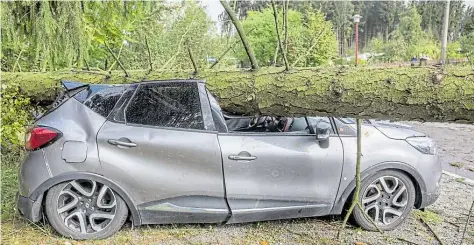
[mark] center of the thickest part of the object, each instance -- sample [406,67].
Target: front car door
[276,175]
[161,147]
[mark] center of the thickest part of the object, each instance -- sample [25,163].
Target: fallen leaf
[360,243]
[264,242]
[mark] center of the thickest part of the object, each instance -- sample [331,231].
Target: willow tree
[45,34]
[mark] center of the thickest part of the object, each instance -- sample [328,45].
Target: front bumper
[429,198]
[30,209]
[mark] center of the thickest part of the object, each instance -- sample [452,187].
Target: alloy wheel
[86,206]
[385,199]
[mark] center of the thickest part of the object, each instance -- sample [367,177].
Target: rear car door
[161,146]
[275,175]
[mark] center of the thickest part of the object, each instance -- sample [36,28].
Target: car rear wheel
[85,209]
[387,197]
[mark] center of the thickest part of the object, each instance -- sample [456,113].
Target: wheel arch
[416,178]
[38,194]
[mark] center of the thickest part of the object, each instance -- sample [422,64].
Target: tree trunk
[401,93]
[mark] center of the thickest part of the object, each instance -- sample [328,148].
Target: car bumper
[431,197]
[30,209]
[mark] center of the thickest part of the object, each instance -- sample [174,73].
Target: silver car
[163,152]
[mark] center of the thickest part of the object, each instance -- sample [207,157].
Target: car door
[161,147]
[275,175]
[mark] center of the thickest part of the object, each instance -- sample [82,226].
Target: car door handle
[122,142]
[242,158]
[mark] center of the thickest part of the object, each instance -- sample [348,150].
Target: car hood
[397,132]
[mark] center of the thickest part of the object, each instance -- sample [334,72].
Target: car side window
[173,105]
[100,98]
[266,124]
[315,120]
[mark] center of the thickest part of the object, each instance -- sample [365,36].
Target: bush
[15,117]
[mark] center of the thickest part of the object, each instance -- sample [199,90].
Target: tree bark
[243,37]
[399,93]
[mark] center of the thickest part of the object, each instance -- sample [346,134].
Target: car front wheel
[85,209]
[387,197]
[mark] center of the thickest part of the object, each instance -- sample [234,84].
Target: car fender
[419,183]
[37,195]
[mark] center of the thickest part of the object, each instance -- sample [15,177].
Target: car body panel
[165,166]
[380,152]
[77,123]
[292,175]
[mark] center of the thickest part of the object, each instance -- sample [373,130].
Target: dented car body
[168,151]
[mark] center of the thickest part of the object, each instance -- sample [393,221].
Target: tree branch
[17,60]
[285,24]
[196,71]
[355,199]
[243,37]
[117,60]
[227,50]
[307,51]
[149,54]
[432,231]
[275,14]
[87,64]
[467,223]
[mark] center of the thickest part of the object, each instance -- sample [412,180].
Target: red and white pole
[357,43]
[356,21]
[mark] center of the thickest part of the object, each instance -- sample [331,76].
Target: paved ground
[455,145]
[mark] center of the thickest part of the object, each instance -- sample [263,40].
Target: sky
[214,8]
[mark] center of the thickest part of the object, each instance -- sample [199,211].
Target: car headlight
[425,145]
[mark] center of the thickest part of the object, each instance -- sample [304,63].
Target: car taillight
[40,136]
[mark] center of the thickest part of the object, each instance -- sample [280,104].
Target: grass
[428,216]
[457,164]
[460,180]
[9,173]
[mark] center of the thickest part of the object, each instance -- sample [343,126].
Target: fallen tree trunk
[424,93]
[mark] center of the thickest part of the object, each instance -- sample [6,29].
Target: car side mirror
[321,129]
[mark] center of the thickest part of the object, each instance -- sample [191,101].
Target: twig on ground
[407,241]
[432,231]
[369,218]
[453,224]
[301,234]
[467,222]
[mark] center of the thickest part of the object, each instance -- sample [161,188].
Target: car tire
[394,200]
[98,212]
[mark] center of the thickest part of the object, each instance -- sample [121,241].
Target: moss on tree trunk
[425,94]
